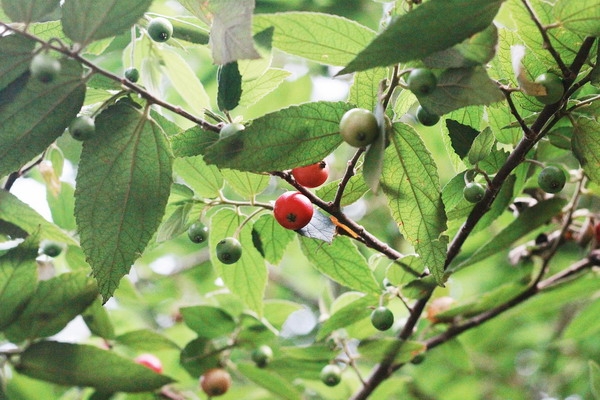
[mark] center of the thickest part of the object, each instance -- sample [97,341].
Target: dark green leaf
[16,53]
[146,340]
[270,380]
[438,25]
[274,238]
[377,349]
[461,136]
[208,321]
[230,86]
[85,365]
[175,224]
[586,146]
[98,321]
[28,10]
[482,146]
[199,355]
[123,185]
[347,315]
[454,200]
[594,378]
[37,114]
[193,142]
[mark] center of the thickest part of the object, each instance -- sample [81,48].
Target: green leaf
[411,184]
[529,220]
[85,21]
[377,349]
[292,137]
[585,324]
[255,89]
[454,200]
[208,321]
[374,156]
[18,279]
[230,86]
[175,224]
[500,205]
[273,238]
[482,146]
[594,379]
[438,25]
[16,53]
[342,262]
[53,305]
[365,87]
[581,16]
[37,114]
[146,340]
[270,380]
[461,136]
[98,321]
[586,147]
[461,87]
[193,142]
[247,278]
[123,185]
[205,180]
[61,202]
[278,311]
[198,356]
[325,38]
[254,331]
[347,315]
[355,189]
[85,365]
[246,184]
[28,10]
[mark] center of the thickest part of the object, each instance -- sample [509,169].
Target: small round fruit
[82,128]
[438,306]
[552,179]
[427,118]
[358,127]
[293,210]
[215,382]
[262,356]
[382,318]
[554,88]
[150,361]
[44,67]
[331,375]
[421,81]
[230,129]
[198,232]
[132,74]
[313,175]
[473,192]
[51,249]
[160,29]
[229,250]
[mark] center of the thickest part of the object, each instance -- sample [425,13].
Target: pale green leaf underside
[586,147]
[581,16]
[327,39]
[231,31]
[28,10]
[274,238]
[123,185]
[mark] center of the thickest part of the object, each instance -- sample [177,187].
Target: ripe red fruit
[293,210]
[215,382]
[150,361]
[313,175]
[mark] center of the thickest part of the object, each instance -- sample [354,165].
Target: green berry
[262,356]
[229,250]
[82,128]
[160,29]
[427,118]
[331,375]
[552,179]
[421,81]
[553,85]
[132,74]
[382,318]
[359,127]
[473,192]
[52,249]
[44,67]
[198,232]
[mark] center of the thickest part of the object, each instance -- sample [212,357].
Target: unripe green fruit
[44,67]
[358,127]
[262,356]
[473,192]
[427,118]
[160,29]
[198,232]
[554,88]
[331,375]
[82,128]
[421,81]
[51,249]
[229,250]
[552,179]
[230,129]
[382,318]
[132,74]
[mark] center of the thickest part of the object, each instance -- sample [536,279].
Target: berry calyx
[421,81]
[473,192]
[44,67]
[262,356]
[132,74]
[215,382]
[312,175]
[51,249]
[382,318]
[426,118]
[331,375]
[359,127]
[198,232]
[230,129]
[552,179]
[82,128]
[150,361]
[229,250]
[160,29]
[293,210]
[553,85]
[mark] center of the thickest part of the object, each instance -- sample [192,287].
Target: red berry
[313,175]
[150,361]
[293,210]
[215,382]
